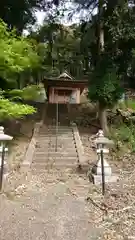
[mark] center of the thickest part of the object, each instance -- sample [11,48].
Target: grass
[124,137]
[122,133]
[129,104]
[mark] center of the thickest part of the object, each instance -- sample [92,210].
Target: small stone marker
[102,143]
[4,138]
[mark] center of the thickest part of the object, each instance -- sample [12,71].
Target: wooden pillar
[53,96]
[78,95]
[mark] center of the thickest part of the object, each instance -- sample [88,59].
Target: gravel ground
[17,150]
[48,210]
[47,206]
[19,144]
[65,205]
[116,210]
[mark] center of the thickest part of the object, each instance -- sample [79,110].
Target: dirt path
[51,206]
[63,205]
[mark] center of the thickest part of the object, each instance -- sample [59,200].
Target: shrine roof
[65,80]
[68,83]
[64,77]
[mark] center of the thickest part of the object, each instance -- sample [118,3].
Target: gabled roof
[64,79]
[65,75]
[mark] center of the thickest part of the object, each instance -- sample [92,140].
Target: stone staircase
[48,157]
[63,115]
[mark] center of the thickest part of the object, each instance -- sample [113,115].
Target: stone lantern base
[97,179]
[97,173]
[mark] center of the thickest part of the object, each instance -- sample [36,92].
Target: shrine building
[64,89]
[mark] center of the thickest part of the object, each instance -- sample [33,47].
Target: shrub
[10,110]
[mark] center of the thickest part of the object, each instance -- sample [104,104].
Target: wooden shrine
[64,89]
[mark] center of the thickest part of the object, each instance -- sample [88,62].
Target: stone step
[52,159]
[61,139]
[55,156]
[60,136]
[54,129]
[52,165]
[50,126]
[42,168]
[58,160]
[53,137]
[73,152]
[67,129]
[60,144]
[53,168]
[69,140]
[43,138]
[43,173]
[52,145]
[47,164]
[54,132]
[44,150]
[55,159]
[44,159]
[62,152]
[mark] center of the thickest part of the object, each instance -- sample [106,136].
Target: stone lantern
[102,143]
[3,149]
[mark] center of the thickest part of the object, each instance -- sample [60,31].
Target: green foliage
[9,110]
[16,53]
[121,22]
[105,85]
[51,72]
[126,105]
[20,14]
[131,104]
[30,92]
[124,137]
[60,49]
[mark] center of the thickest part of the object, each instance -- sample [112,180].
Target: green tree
[16,55]
[20,14]
[114,42]
[62,49]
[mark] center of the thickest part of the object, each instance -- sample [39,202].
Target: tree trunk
[102,110]
[103,119]
[100,28]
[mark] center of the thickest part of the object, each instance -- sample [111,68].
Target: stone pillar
[5,161]
[107,168]
[3,139]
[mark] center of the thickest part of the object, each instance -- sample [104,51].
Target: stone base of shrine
[97,179]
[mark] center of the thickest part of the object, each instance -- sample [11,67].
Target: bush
[11,110]
[131,104]
[30,92]
[124,136]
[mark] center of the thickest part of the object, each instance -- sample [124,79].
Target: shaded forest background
[100,48]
